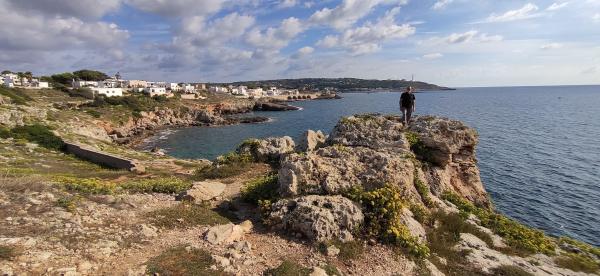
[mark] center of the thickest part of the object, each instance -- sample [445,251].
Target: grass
[182,261]
[509,270]
[36,133]
[185,215]
[418,147]
[592,250]
[443,239]
[288,268]
[88,186]
[16,96]
[95,186]
[523,240]
[7,253]
[69,202]
[421,188]
[349,250]
[228,165]
[578,262]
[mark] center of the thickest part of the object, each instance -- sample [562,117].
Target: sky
[454,43]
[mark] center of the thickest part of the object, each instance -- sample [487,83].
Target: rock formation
[267,150]
[311,140]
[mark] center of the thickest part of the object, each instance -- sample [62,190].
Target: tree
[63,78]
[90,75]
[6,72]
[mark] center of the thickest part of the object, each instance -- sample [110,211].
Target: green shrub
[578,262]
[69,202]
[581,245]
[420,213]
[518,236]
[418,147]
[228,165]
[4,133]
[182,261]
[260,189]
[39,134]
[383,208]
[421,188]
[86,185]
[288,268]
[509,270]
[166,185]
[185,215]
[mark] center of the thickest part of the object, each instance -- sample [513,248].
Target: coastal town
[117,86]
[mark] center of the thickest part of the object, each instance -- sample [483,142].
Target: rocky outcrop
[311,140]
[267,150]
[318,218]
[202,191]
[261,106]
[371,131]
[449,146]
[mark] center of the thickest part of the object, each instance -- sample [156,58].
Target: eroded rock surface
[268,150]
[318,218]
[311,140]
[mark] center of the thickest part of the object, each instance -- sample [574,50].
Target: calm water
[539,151]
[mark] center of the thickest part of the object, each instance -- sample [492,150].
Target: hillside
[341,84]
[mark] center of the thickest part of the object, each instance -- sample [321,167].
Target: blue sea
[539,150]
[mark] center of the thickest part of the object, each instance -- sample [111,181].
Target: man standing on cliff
[407,105]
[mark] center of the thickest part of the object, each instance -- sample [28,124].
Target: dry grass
[186,215]
[182,261]
[11,183]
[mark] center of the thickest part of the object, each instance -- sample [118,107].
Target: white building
[136,83]
[218,89]
[108,92]
[8,82]
[257,92]
[174,87]
[155,91]
[157,84]
[188,88]
[240,91]
[81,84]
[40,84]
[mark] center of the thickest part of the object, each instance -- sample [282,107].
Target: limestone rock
[311,140]
[415,228]
[332,251]
[148,231]
[202,191]
[268,150]
[318,218]
[371,131]
[335,169]
[317,271]
[243,246]
[224,234]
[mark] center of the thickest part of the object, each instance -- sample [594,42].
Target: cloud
[287,4]
[433,56]
[596,17]
[276,38]
[557,6]
[527,11]
[441,4]
[195,31]
[368,38]
[348,12]
[551,46]
[175,8]
[466,37]
[304,51]
[68,8]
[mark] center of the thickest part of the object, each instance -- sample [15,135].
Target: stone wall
[102,158]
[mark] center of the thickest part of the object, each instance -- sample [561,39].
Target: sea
[539,147]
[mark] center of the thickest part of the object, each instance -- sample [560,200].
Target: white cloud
[368,38]
[527,11]
[551,46]
[557,6]
[276,38]
[433,56]
[68,8]
[459,38]
[303,52]
[596,17]
[197,32]
[490,38]
[348,12]
[174,8]
[287,4]
[441,4]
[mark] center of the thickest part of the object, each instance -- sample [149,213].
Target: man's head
[409,89]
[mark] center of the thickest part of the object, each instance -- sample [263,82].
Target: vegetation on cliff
[341,84]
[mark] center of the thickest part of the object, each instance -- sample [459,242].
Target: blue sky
[447,42]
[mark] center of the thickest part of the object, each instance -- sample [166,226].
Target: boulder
[202,191]
[274,107]
[372,131]
[414,227]
[444,140]
[317,271]
[267,150]
[318,218]
[224,234]
[335,169]
[311,140]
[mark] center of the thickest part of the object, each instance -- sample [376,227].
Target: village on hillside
[115,86]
